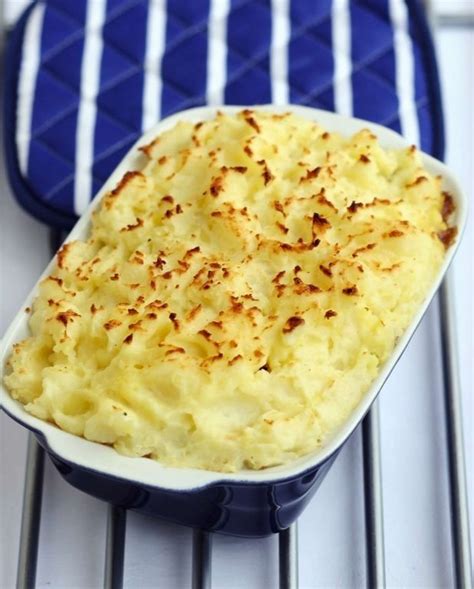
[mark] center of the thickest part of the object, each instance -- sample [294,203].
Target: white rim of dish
[105,460]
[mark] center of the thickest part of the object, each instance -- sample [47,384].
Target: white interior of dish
[105,459]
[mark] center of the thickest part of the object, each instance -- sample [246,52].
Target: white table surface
[331,531]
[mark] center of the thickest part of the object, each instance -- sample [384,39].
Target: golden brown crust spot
[325,270]
[310,174]
[448,207]
[191,252]
[350,290]
[157,304]
[62,254]
[352,208]
[174,321]
[278,207]
[378,201]
[239,169]
[112,324]
[391,268]
[276,279]
[292,323]
[127,177]
[205,334]
[320,222]
[324,201]
[369,246]
[417,181]
[58,281]
[159,262]
[216,186]
[394,233]
[282,228]
[132,226]
[301,288]
[66,317]
[194,312]
[448,236]
[266,174]
[175,350]
[250,120]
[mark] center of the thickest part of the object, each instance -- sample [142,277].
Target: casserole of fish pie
[236,297]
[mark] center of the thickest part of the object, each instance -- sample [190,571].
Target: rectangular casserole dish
[246,503]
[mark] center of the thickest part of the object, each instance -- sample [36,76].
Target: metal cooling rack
[288,543]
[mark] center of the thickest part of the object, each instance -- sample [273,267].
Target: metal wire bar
[373,498]
[202,559]
[439,17]
[3,31]
[454,433]
[33,491]
[459,511]
[115,547]
[455,20]
[116,523]
[288,557]
[31,516]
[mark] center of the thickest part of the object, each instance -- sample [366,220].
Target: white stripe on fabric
[30,62]
[155,46]
[90,80]
[341,43]
[217,52]
[404,71]
[279,51]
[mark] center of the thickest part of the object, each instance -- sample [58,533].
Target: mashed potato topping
[237,296]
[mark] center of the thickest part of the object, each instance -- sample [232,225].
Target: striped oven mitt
[85,79]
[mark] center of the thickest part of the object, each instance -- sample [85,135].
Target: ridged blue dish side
[249,510]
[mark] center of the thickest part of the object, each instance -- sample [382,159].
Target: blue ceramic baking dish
[246,503]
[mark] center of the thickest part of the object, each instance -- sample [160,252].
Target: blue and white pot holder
[84,79]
